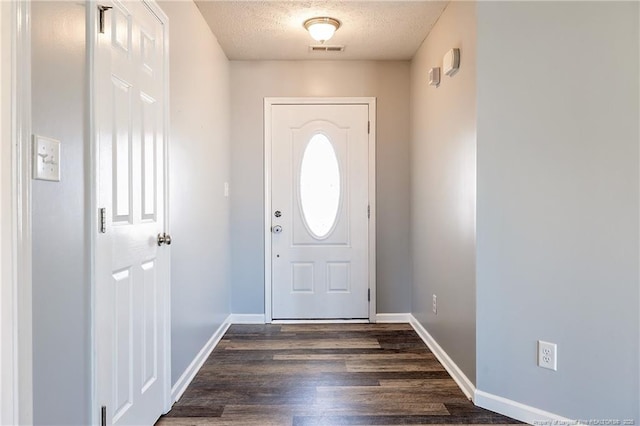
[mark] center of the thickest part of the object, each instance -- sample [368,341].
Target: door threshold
[320,321]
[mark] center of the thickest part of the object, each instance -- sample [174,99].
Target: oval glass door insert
[319,186]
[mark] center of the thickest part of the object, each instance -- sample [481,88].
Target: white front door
[132,269]
[319,217]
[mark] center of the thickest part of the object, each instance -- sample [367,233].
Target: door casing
[268,103]
[16,360]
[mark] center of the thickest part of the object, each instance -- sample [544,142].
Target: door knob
[276,229]
[164,238]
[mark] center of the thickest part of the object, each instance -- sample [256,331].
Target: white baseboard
[246,318]
[185,379]
[390,318]
[519,411]
[322,321]
[463,381]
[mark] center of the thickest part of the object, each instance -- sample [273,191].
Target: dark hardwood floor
[325,374]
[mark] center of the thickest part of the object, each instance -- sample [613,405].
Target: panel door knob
[164,238]
[276,229]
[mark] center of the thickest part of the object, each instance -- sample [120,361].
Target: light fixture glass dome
[322,29]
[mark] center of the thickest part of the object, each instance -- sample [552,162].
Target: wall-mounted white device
[434,76]
[46,158]
[451,62]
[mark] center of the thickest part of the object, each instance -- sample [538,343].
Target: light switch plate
[46,158]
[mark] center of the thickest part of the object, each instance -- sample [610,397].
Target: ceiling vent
[325,48]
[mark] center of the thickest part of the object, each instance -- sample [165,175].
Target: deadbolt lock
[164,238]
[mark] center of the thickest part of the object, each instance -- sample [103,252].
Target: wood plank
[378,366]
[341,328]
[237,345]
[241,420]
[273,368]
[356,357]
[384,396]
[322,409]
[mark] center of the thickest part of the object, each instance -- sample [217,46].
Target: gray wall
[443,172]
[199,216]
[558,204]
[61,319]
[251,82]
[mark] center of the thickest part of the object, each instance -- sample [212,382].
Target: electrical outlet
[547,355]
[435,304]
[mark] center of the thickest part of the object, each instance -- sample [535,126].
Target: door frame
[269,102]
[16,391]
[92,213]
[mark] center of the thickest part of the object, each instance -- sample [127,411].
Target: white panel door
[132,270]
[319,198]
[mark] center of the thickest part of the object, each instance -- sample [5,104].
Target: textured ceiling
[261,30]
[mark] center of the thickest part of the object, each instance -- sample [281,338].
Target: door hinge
[102,219]
[103,416]
[368,127]
[369,295]
[369,212]
[101,11]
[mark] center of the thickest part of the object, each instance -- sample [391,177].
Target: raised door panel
[123,339]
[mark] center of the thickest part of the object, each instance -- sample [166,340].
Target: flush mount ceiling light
[322,29]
